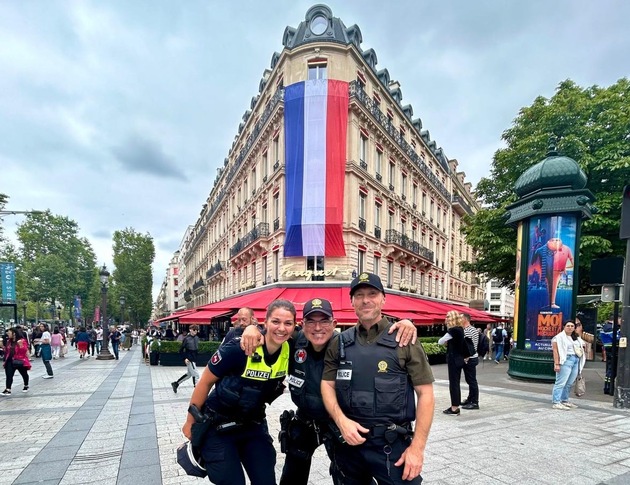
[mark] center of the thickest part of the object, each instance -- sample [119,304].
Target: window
[265,219]
[245,190]
[414,194]
[362,197]
[360,261]
[390,221]
[275,265]
[363,148]
[432,211]
[495,296]
[317,70]
[264,269]
[403,189]
[276,150]
[402,273]
[315,263]
[422,283]
[495,308]
[265,165]
[276,206]
[414,233]
[424,202]
[413,277]
[254,181]
[254,272]
[392,171]
[379,162]
[376,263]
[390,273]
[377,215]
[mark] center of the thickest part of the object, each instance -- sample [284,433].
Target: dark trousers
[455,364]
[302,442]
[9,370]
[250,446]
[359,465]
[49,370]
[470,374]
[115,347]
[92,347]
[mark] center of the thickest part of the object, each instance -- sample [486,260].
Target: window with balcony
[403,188]
[377,220]
[378,165]
[391,175]
[424,203]
[254,181]
[276,152]
[363,151]
[390,221]
[265,166]
[414,195]
[360,261]
[317,70]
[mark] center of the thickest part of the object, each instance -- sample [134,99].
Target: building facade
[168,300]
[500,300]
[403,202]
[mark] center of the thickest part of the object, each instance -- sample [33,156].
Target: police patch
[300,356]
[295,381]
[344,374]
[216,358]
[382,366]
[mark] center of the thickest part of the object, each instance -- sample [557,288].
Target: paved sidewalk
[118,423]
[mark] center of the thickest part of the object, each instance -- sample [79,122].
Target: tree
[56,263]
[593,127]
[133,277]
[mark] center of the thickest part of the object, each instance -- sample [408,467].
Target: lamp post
[104,354]
[122,300]
[24,309]
[59,312]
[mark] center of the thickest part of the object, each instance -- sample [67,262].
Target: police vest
[371,386]
[305,382]
[244,396]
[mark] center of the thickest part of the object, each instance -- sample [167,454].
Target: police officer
[368,389]
[303,431]
[241,386]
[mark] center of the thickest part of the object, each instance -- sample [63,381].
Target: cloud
[139,154]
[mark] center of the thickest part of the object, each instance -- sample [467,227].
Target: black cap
[317,305]
[366,279]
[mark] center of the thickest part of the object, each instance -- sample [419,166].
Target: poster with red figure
[550,278]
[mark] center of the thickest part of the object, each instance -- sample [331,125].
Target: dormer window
[318,25]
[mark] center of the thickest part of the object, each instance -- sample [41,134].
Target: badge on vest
[300,356]
[295,381]
[344,374]
[382,366]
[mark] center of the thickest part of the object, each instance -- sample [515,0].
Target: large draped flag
[315,126]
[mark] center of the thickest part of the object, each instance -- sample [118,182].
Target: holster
[283,436]
[203,422]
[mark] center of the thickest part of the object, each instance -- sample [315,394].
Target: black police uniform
[374,390]
[239,433]
[311,426]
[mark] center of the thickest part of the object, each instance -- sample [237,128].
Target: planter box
[154,357]
[172,360]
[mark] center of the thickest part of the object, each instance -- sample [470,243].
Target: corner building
[330,175]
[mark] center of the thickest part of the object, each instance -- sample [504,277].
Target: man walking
[368,389]
[189,349]
[498,337]
[470,365]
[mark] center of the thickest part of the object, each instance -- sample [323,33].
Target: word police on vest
[344,374]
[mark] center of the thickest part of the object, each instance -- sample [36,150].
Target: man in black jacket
[189,350]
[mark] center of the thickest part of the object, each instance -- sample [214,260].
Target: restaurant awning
[173,316]
[202,316]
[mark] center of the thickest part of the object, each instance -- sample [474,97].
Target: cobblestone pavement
[118,422]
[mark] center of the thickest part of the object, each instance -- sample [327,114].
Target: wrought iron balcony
[394,237]
[461,206]
[276,224]
[357,91]
[362,224]
[379,177]
[215,269]
[261,230]
[363,165]
[377,232]
[276,165]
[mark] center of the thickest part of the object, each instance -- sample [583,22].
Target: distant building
[500,300]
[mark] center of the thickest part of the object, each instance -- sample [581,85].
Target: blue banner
[77,307]
[7,281]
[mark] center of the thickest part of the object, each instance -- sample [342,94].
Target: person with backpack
[471,336]
[483,348]
[189,349]
[498,337]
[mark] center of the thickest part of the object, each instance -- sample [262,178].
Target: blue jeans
[115,346]
[498,348]
[565,379]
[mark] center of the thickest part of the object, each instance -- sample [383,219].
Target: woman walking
[15,358]
[241,387]
[56,341]
[83,342]
[568,360]
[45,350]
[454,340]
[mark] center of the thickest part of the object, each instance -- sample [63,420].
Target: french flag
[315,126]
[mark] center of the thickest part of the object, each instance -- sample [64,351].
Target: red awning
[202,316]
[174,316]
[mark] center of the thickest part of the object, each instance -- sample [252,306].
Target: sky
[117,114]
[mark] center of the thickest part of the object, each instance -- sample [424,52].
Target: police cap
[366,279]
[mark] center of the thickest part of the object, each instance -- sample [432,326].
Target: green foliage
[433,348]
[592,126]
[133,256]
[205,347]
[428,340]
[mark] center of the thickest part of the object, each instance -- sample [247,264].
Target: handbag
[580,385]
[18,363]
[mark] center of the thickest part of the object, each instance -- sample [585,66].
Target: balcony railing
[216,268]
[357,91]
[379,177]
[377,232]
[363,165]
[394,237]
[362,224]
[276,224]
[261,230]
[459,200]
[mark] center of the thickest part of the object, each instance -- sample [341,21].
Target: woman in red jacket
[15,358]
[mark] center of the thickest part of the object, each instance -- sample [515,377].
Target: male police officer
[302,432]
[368,389]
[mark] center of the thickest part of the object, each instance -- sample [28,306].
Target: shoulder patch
[300,356]
[216,358]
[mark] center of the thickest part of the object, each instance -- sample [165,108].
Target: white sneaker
[47,377]
[560,406]
[569,405]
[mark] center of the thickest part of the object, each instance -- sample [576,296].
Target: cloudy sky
[118,113]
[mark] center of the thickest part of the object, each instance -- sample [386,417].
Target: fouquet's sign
[309,273]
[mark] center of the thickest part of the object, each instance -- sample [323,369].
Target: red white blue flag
[315,126]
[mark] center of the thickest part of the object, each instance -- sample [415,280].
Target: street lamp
[104,354]
[24,308]
[122,300]
[59,312]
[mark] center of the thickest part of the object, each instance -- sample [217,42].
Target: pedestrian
[470,365]
[15,358]
[37,338]
[568,361]
[454,341]
[233,391]
[189,350]
[507,343]
[56,341]
[488,333]
[99,339]
[606,336]
[483,346]
[303,431]
[92,344]
[83,342]
[126,344]
[45,350]
[114,338]
[244,318]
[134,337]
[498,338]
[368,387]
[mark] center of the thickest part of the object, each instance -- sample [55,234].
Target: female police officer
[236,405]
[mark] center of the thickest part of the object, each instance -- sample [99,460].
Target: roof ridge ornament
[552,150]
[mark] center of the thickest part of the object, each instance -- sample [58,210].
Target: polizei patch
[344,374]
[257,374]
[295,381]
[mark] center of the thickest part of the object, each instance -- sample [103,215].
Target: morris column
[552,203]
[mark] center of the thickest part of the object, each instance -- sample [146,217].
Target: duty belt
[391,432]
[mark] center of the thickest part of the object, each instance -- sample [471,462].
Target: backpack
[468,348]
[497,336]
[484,345]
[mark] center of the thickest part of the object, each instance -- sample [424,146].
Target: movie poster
[517,280]
[550,273]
